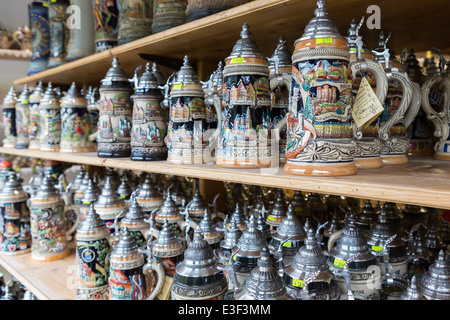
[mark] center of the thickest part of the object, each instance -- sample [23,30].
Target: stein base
[36,148]
[140,157]
[368,163]
[40,257]
[51,149]
[394,159]
[76,150]
[244,164]
[321,170]
[9,145]
[185,160]
[21,146]
[15,253]
[116,154]
[440,156]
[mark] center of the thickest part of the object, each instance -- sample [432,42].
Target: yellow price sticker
[271,218]
[377,248]
[287,244]
[298,283]
[234,257]
[324,40]
[177,86]
[86,202]
[339,262]
[237,60]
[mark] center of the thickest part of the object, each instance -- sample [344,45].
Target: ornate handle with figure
[155,265]
[416,99]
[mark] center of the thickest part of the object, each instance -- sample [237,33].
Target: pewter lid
[147,190]
[12,186]
[419,247]
[11,95]
[147,81]
[290,228]
[126,246]
[368,215]
[412,291]
[433,241]
[47,187]
[24,96]
[160,78]
[114,175]
[281,56]
[197,203]
[37,93]
[169,209]
[321,26]
[435,283]
[109,195]
[299,202]
[92,222]
[115,75]
[252,240]
[232,235]
[167,243]
[263,226]
[381,47]
[84,184]
[134,213]
[413,68]
[209,230]
[50,94]
[279,207]
[79,178]
[432,68]
[124,188]
[90,193]
[238,216]
[245,46]
[334,225]
[264,282]
[73,94]
[186,74]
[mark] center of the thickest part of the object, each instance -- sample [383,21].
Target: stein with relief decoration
[50,113]
[320,133]
[35,117]
[23,118]
[9,118]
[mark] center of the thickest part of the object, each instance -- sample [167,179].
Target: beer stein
[264,282]
[308,275]
[300,206]
[148,197]
[106,21]
[9,118]
[59,32]
[76,123]
[168,14]
[419,256]
[15,218]
[115,115]
[82,39]
[187,117]
[197,206]
[435,283]
[34,130]
[413,291]
[79,192]
[231,237]
[135,20]
[197,276]
[319,122]
[435,95]
[197,9]
[50,113]
[434,242]
[124,189]
[149,120]
[92,257]
[278,211]
[401,106]
[134,221]
[280,67]
[40,28]
[210,232]
[355,268]
[239,217]
[50,235]
[130,277]
[366,219]
[23,118]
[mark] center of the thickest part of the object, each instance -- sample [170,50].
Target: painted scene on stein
[115,123]
[149,128]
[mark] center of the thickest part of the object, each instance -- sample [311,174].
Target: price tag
[271,218]
[287,244]
[298,283]
[123,197]
[24,102]
[367,106]
[377,248]
[339,262]
[164,294]
[324,40]
[177,86]
[234,257]
[237,60]
[86,202]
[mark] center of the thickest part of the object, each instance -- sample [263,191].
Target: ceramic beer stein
[280,67]
[197,276]
[106,24]
[168,14]
[50,235]
[9,118]
[308,275]
[89,197]
[81,37]
[264,282]
[50,113]
[368,142]
[92,258]
[245,128]
[400,106]
[15,218]
[435,97]
[320,126]
[130,277]
[135,20]
[23,118]
[116,113]
[435,283]
[40,41]
[59,32]
[187,117]
[136,224]
[149,127]
[35,117]
[148,196]
[76,123]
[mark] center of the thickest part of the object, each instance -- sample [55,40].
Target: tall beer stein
[106,21]
[9,118]
[135,20]
[35,117]
[319,122]
[435,101]
[40,36]
[50,235]
[23,118]
[59,32]
[115,114]
[50,112]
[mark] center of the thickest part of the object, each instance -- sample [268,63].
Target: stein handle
[334,236]
[183,224]
[276,81]
[414,108]
[398,114]
[93,136]
[157,266]
[381,80]
[441,129]
[76,209]
[213,140]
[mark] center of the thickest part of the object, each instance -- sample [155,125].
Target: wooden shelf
[46,280]
[414,24]
[423,181]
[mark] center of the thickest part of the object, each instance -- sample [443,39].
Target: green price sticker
[86,202]
[123,197]
[234,257]
[324,40]
[237,60]
[287,244]
[377,248]
[177,86]
[339,262]
[298,283]
[271,218]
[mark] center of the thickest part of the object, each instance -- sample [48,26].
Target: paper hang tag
[164,294]
[367,107]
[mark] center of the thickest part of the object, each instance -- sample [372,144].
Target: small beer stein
[23,118]
[34,130]
[50,112]
[9,118]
